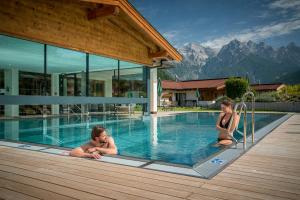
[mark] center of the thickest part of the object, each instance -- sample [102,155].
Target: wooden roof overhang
[112,28]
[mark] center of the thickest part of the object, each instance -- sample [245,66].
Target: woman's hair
[227,103]
[97,131]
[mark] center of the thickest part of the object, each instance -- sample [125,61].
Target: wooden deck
[270,170]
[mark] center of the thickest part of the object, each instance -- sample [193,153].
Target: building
[77,52]
[272,87]
[184,93]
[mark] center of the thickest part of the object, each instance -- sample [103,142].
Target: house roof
[143,24]
[194,84]
[273,86]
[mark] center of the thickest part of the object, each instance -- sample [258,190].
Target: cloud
[256,33]
[171,35]
[287,8]
[285,4]
[290,8]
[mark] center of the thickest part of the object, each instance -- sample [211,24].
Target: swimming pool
[184,139]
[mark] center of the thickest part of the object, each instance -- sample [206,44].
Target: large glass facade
[132,81]
[31,68]
[67,69]
[2,90]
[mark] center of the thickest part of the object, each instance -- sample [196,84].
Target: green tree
[236,87]
[163,74]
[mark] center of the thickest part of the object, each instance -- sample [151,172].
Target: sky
[214,23]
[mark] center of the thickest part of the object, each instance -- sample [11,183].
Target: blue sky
[216,22]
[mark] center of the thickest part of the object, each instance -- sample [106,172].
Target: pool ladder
[241,107]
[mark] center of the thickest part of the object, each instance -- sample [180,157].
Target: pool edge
[207,169]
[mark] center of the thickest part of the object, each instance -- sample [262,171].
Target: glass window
[32,83]
[133,82]
[102,73]
[2,90]
[22,63]
[67,71]
[21,56]
[1,82]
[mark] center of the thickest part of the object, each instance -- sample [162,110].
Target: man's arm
[112,149]
[78,152]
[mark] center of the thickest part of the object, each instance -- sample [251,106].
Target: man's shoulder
[110,139]
[88,145]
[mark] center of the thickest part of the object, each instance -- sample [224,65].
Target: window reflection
[25,70]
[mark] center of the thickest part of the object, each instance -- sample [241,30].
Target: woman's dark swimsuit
[225,125]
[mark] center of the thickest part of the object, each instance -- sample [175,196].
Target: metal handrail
[253,111]
[242,107]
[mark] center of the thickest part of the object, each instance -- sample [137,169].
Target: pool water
[180,138]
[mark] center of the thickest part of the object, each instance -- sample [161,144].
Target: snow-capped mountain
[194,57]
[257,61]
[196,54]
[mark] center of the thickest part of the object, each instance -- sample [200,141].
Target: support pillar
[55,92]
[153,91]
[83,90]
[11,84]
[108,88]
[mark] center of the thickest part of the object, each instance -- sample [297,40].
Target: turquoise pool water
[180,139]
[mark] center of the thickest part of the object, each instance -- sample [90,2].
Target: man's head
[99,134]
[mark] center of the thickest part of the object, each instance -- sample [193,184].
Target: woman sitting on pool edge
[100,144]
[223,123]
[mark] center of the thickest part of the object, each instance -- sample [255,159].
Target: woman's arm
[218,127]
[235,122]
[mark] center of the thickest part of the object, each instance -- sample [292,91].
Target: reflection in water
[11,130]
[181,138]
[153,130]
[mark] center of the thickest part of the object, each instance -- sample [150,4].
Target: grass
[201,109]
[190,109]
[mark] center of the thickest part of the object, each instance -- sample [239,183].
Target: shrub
[267,97]
[290,93]
[236,87]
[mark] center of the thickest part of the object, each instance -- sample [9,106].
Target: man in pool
[99,145]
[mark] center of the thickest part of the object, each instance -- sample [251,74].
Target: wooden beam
[159,54]
[103,11]
[127,28]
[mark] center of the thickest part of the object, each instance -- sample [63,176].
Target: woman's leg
[224,139]
[225,142]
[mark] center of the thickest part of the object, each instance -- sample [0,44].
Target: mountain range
[258,62]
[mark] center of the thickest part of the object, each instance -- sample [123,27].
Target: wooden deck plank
[116,167]
[12,195]
[63,190]
[31,191]
[290,186]
[91,164]
[269,170]
[253,188]
[93,181]
[217,194]
[256,183]
[264,175]
[238,191]
[76,185]
[104,175]
[107,181]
